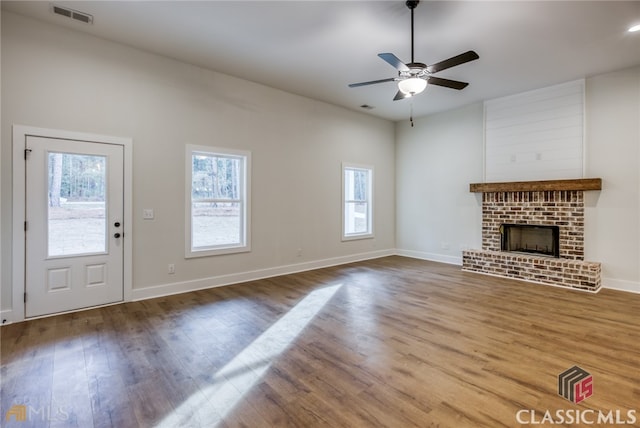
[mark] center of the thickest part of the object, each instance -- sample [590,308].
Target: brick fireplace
[543,203]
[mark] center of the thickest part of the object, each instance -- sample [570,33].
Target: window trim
[370,230]
[245,201]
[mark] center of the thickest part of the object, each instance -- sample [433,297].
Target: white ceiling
[316,48]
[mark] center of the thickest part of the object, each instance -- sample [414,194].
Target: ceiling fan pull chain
[411,113]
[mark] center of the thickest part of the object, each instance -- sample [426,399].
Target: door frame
[20,134]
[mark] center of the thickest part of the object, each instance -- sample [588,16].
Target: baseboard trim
[621,285]
[6,317]
[237,278]
[433,257]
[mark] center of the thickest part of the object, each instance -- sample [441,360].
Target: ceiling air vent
[72,14]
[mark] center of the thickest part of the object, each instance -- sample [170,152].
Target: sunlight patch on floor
[209,406]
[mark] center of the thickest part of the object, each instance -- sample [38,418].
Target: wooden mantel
[538,186]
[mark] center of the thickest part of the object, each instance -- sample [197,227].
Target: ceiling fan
[413,77]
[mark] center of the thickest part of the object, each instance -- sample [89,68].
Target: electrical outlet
[299,252]
[147,214]
[172,268]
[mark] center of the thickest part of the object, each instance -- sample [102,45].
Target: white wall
[612,216]
[535,135]
[57,78]
[436,161]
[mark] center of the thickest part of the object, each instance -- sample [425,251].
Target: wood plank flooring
[391,342]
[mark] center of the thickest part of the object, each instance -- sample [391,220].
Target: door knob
[116,235]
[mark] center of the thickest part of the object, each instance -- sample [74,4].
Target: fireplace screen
[531,239]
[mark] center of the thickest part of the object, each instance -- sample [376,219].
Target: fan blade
[453,61]
[372,82]
[453,84]
[401,96]
[394,61]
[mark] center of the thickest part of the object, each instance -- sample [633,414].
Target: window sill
[217,252]
[356,237]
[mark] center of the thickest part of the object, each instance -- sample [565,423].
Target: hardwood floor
[392,342]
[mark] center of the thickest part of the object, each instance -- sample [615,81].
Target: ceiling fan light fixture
[413,77]
[412,85]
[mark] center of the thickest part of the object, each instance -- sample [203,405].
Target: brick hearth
[563,208]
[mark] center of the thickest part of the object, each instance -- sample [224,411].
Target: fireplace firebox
[531,239]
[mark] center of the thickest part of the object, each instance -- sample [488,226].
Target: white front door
[74,225]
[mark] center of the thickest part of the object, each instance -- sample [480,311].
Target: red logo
[575,384]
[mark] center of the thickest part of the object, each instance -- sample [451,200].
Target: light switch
[147,214]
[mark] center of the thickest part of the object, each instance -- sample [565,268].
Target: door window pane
[77,209]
